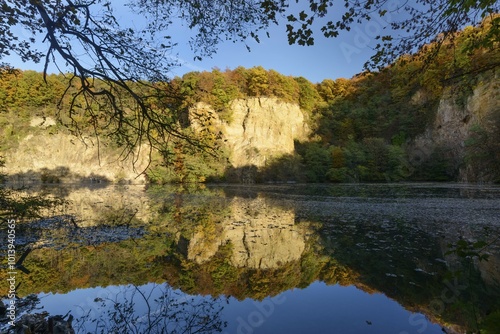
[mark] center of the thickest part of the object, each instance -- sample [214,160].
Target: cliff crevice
[260,128]
[447,135]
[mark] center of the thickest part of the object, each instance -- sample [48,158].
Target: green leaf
[480,244]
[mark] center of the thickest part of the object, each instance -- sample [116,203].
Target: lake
[278,258]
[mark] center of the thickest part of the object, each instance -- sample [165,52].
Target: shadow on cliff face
[60,174]
[246,174]
[369,160]
[282,169]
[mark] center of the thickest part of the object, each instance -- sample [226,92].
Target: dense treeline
[361,127]
[218,88]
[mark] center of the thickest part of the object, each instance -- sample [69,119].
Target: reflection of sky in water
[80,301]
[318,308]
[388,238]
[86,305]
[326,309]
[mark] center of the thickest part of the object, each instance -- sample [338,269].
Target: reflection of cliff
[205,242]
[262,236]
[114,204]
[409,263]
[109,205]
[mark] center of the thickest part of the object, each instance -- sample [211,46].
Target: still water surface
[268,259]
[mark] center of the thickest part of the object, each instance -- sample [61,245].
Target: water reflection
[250,246]
[148,309]
[262,236]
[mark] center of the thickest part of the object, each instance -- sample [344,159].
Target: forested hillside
[384,126]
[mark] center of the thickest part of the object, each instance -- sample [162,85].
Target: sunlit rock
[258,129]
[60,157]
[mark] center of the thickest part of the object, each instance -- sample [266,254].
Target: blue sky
[332,58]
[328,58]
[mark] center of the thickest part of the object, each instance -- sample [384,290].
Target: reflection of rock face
[108,205]
[490,270]
[262,236]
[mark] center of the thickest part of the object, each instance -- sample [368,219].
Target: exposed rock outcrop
[255,130]
[60,157]
[259,129]
[453,123]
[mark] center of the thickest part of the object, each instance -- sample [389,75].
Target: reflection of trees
[407,262]
[84,266]
[246,244]
[156,310]
[150,309]
[238,243]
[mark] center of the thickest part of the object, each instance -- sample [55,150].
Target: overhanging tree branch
[117,73]
[115,62]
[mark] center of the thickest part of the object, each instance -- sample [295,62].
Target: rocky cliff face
[61,157]
[259,129]
[453,123]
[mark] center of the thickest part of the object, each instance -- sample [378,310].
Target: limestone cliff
[255,130]
[61,157]
[258,129]
[453,123]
